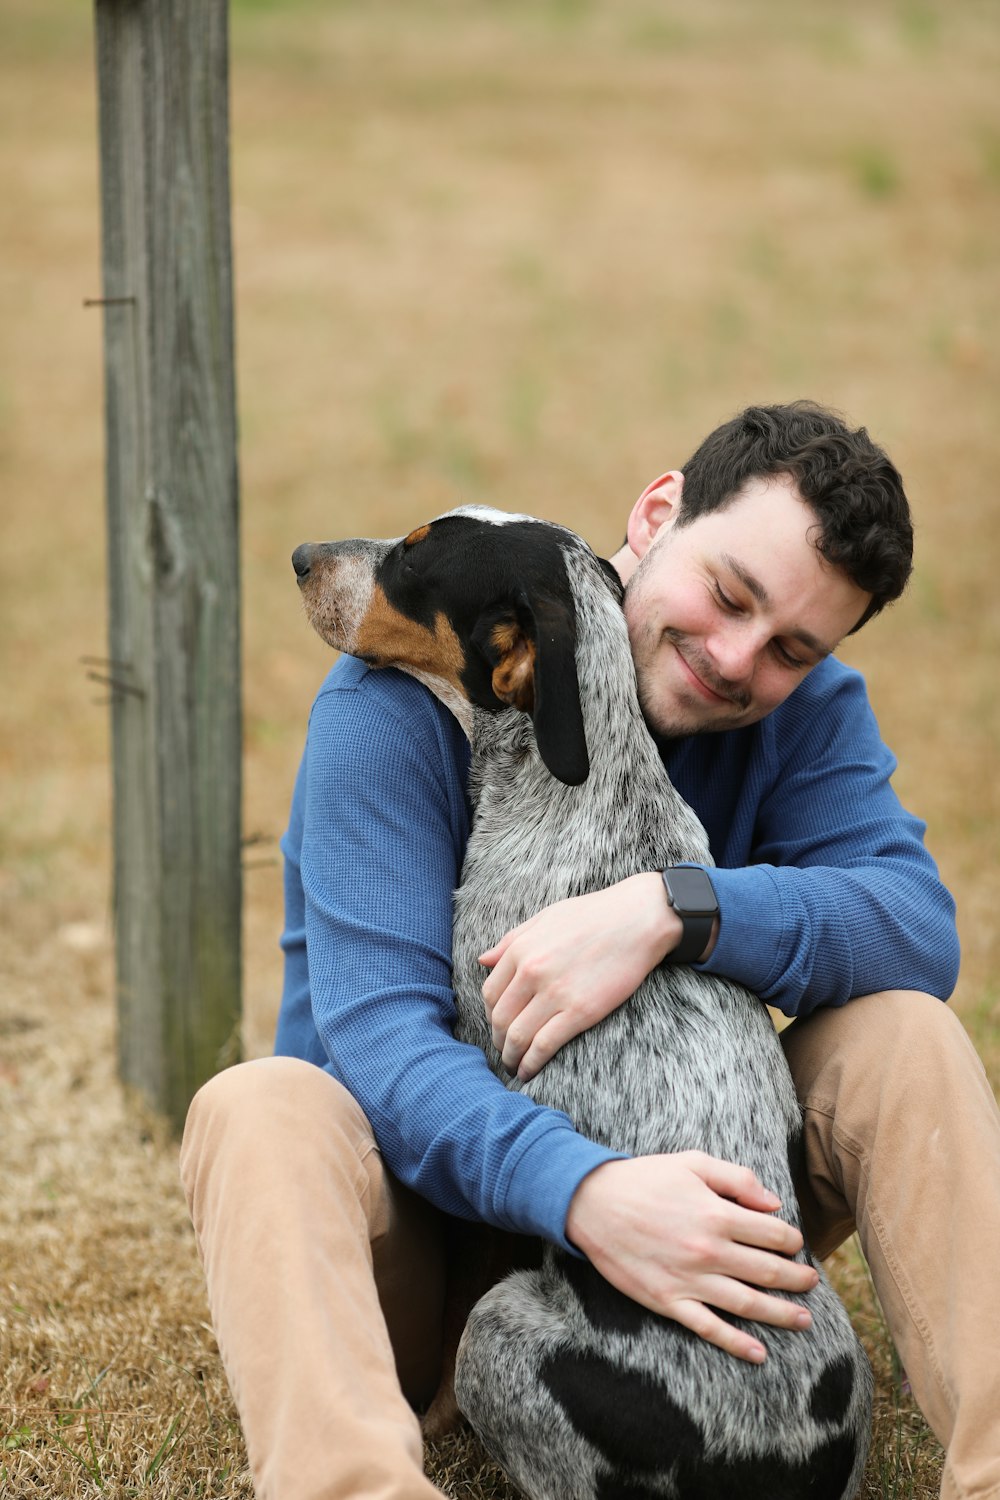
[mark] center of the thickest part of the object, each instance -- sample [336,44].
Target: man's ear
[656,507]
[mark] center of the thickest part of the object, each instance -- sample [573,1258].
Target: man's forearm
[806,937]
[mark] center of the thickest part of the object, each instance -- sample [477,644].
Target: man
[785,532]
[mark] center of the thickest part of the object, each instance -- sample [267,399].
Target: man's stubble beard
[666,731]
[661,728]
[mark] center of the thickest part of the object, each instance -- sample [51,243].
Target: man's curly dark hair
[851,484]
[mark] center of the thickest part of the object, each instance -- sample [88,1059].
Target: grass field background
[527,253]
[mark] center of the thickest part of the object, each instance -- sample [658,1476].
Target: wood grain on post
[173,535]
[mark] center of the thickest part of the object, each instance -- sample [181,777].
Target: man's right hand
[687,1233]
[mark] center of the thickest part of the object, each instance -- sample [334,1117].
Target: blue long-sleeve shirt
[825,891]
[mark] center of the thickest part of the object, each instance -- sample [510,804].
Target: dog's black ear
[557,716]
[532,649]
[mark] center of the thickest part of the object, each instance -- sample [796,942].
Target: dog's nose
[302,560]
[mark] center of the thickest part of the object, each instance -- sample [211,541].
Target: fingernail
[758,1353]
[772,1197]
[803,1319]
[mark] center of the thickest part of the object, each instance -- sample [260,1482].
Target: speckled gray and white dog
[578,1391]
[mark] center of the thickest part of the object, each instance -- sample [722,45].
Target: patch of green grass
[982,1020]
[461,461]
[835,40]
[990,154]
[402,440]
[525,400]
[927,593]
[919,25]
[875,172]
[763,255]
[19,1437]
[656,32]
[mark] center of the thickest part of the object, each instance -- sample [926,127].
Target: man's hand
[573,964]
[687,1233]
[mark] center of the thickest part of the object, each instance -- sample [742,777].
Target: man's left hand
[573,964]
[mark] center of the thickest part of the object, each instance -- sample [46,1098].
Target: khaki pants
[325,1274]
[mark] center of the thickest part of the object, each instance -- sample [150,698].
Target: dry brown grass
[526,253]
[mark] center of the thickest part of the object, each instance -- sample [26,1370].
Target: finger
[545,1043]
[715,1330]
[762,1231]
[770,1272]
[520,1004]
[491,955]
[519,1036]
[738,1183]
[752,1305]
[496,984]
[532,1026]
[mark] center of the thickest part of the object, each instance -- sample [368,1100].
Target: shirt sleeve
[839,898]
[379,862]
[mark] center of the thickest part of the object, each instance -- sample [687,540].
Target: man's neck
[624,563]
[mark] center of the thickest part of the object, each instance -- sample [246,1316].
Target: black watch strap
[690,893]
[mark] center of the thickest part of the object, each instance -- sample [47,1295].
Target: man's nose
[734,653]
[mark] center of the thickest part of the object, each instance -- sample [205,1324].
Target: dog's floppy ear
[532,649]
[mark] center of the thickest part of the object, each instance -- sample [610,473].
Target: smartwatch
[692,897]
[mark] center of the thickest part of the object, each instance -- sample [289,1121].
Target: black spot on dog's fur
[613,1487]
[823,1476]
[630,1420]
[605,1306]
[639,1430]
[831,1395]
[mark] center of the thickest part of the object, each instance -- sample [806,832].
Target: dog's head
[477,604]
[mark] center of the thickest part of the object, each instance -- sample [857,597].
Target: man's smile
[701,677]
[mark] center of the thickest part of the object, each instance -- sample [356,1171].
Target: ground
[528,255]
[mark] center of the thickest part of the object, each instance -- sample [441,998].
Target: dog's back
[578,1390]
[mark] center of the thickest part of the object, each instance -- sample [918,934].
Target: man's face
[727,615]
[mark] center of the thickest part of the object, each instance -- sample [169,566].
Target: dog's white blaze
[354,584]
[488,513]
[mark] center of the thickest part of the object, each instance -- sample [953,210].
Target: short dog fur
[580,1393]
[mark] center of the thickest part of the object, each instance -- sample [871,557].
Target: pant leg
[296,1217]
[902,1138]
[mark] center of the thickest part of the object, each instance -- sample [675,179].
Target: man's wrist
[665,930]
[691,899]
[581,1206]
[668,929]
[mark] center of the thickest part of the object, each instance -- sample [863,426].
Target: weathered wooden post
[173,563]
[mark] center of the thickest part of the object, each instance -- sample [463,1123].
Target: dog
[579,1392]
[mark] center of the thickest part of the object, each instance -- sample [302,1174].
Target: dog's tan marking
[393,639]
[416,536]
[514,674]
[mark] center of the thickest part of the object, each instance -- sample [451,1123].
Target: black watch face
[691,892]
